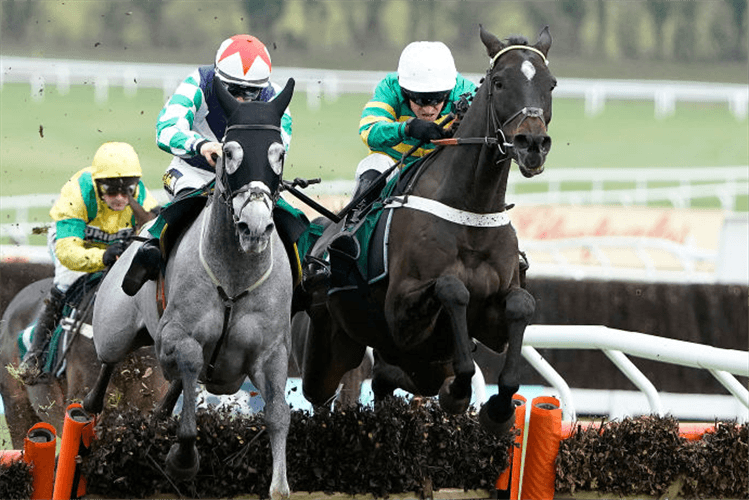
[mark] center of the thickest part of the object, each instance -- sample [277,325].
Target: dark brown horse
[453,267]
[138,382]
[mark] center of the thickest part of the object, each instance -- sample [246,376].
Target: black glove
[113,252]
[423,130]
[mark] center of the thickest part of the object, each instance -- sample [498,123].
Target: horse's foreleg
[498,414]
[167,403]
[454,296]
[94,400]
[328,354]
[186,355]
[271,380]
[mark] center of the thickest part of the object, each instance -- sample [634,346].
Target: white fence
[723,364]
[318,82]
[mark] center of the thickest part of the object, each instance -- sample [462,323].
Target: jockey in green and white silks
[405,105]
[192,123]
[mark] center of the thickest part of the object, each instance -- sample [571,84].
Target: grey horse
[227,291]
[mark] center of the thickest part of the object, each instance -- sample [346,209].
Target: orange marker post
[509,479]
[39,448]
[74,434]
[542,447]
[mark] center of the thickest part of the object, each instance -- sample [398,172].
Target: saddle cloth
[371,230]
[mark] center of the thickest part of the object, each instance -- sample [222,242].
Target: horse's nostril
[269,228]
[521,141]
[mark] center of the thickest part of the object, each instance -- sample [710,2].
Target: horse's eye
[497,83]
[553,84]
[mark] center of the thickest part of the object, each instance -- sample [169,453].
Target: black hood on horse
[265,119]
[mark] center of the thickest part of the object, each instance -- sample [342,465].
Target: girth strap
[449,213]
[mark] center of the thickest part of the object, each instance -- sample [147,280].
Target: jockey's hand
[211,151]
[113,252]
[423,130]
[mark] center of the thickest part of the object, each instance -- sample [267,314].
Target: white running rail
[723,364]
[62,73]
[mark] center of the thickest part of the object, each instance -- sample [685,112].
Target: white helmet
[427,67]
[243,60]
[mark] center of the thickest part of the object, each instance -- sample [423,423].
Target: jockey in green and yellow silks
[405,105]
[93,219]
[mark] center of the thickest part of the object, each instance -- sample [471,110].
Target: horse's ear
[228,103]
[284,98]
[544,41]
[491,42]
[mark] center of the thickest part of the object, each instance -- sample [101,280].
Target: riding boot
[30,370]
[317,272]
[146,266]
[366,179]
[344,251]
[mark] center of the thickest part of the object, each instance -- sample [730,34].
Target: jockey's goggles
[118,185]
[245,92]
[426,98]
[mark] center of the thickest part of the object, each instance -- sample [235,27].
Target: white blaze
[528,70]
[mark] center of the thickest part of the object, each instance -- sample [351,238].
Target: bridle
[499,138]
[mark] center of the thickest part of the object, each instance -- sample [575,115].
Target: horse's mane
[516,40]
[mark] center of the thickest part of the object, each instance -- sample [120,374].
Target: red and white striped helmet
[243,60]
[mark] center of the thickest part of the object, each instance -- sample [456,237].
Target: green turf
[5,443]
[325,140]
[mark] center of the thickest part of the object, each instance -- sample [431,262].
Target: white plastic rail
[723,364]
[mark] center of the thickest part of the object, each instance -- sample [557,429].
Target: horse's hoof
[280,492]
[497,428]
[450,403]
[92,404]
[177,469]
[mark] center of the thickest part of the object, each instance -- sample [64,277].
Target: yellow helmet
[115,159]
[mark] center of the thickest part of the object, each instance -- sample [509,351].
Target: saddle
[70,324]
[370,226]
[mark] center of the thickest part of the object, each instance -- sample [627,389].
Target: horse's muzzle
[530,152]
[254,240]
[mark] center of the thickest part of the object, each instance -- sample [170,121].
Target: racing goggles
[423,99]
[245,92]
[118,185]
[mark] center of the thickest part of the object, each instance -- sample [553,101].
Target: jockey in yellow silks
[93,219]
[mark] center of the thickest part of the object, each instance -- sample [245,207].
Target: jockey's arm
[174,126]
[76,255]
[380,126]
